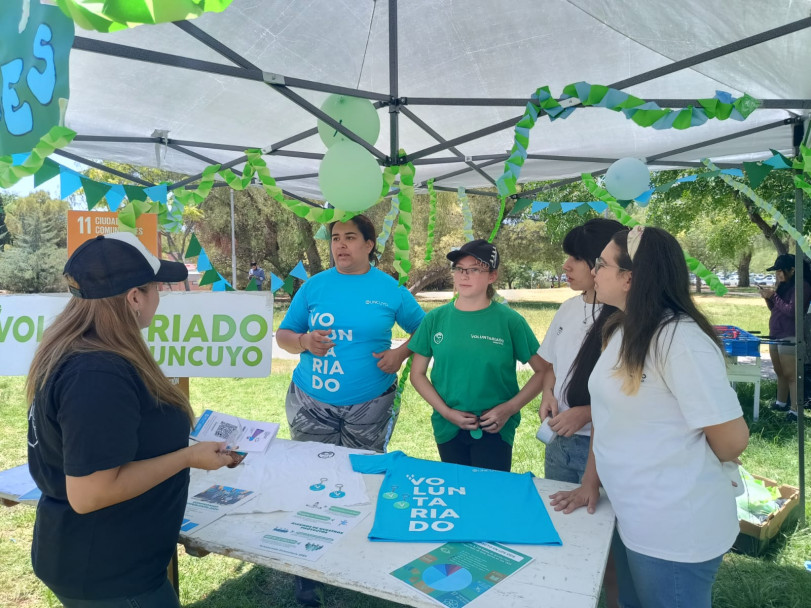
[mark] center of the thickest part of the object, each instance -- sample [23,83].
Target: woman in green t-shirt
[475,344]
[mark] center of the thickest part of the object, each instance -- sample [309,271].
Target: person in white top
[664,420]
[572,347]
[574,336]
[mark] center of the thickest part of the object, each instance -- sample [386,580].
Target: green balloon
[350,177]
[356,114]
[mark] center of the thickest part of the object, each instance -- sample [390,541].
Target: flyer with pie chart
[455,574]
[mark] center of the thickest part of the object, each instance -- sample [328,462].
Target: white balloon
[627,178]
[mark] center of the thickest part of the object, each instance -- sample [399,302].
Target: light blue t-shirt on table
[429,501]
[360,310]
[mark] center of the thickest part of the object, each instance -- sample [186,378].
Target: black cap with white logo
[111,264]
[480,249]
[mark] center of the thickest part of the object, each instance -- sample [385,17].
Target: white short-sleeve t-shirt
[562,342]
[667,487]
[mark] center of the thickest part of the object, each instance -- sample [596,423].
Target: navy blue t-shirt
[95,413]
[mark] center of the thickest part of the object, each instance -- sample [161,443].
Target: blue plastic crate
[737,342]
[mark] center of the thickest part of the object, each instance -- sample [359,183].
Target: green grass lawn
[777,579]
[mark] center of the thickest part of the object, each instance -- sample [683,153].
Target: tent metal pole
[233,244]
[245,73]
[799,321]
[476,192]
[195,32]
[280,84]
[272,149]
[119,139]
[100,167]
[504,124]
[462,171]
[422,125]
[394,105]
[284,178]
[717,140]
[193,154]
[726,49]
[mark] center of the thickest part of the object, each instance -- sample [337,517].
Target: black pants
[490,451]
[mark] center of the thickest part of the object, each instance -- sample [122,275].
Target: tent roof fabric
[445,49]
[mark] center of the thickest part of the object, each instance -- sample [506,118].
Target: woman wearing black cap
[475,344]
[782,327]
[108,436]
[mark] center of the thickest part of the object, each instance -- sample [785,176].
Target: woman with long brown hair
[108,436]
[665,422]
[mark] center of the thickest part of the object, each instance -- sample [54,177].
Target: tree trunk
[5,236]
[743,269]
[699,283]
[429,278]
[770,232]
[310,249]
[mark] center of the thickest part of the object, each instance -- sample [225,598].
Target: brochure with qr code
[238,433]
[455,574]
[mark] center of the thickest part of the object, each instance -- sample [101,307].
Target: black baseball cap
[480,249]
[784,261]
[114,263]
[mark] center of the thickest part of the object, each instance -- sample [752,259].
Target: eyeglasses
[601,263]
[468,271]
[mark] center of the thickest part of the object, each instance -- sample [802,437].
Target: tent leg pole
[799,317]
[233,246]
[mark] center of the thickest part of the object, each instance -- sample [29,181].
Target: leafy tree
[37,256]
[736,222]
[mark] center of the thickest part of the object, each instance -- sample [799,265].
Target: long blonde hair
[101,325]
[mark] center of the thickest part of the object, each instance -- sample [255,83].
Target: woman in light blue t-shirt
[344,386]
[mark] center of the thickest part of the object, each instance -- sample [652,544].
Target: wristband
[300,336]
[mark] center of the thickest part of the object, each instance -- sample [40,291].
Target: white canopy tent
[442,70]
[453,76]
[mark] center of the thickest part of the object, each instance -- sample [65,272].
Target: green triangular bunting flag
[209,277]
[135,193]
[251,285]
[520,205]
[93,191]
[194,248]
[756,173]
[288,285]
[48,171]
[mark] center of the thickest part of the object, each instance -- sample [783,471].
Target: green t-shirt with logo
[475,354]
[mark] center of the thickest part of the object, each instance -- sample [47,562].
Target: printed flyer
[455,574]
[211,504]
[238,433]
[309,532]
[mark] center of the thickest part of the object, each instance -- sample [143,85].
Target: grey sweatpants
[366,425]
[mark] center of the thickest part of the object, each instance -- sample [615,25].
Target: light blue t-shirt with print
[360,310]
[430,501]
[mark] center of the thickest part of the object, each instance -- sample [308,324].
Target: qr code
[225,430]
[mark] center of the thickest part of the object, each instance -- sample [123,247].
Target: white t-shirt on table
[562,342]
[667,487]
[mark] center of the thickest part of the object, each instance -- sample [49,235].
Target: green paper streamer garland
[466,214]
[499,220]
[402,263]
[57,137]
[112,16]
[429,246]
[388,226]
[395,406]
[255,165]
[764,205]
[693,264]
[645,114]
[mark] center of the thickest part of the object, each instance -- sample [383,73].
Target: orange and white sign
[86,225]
